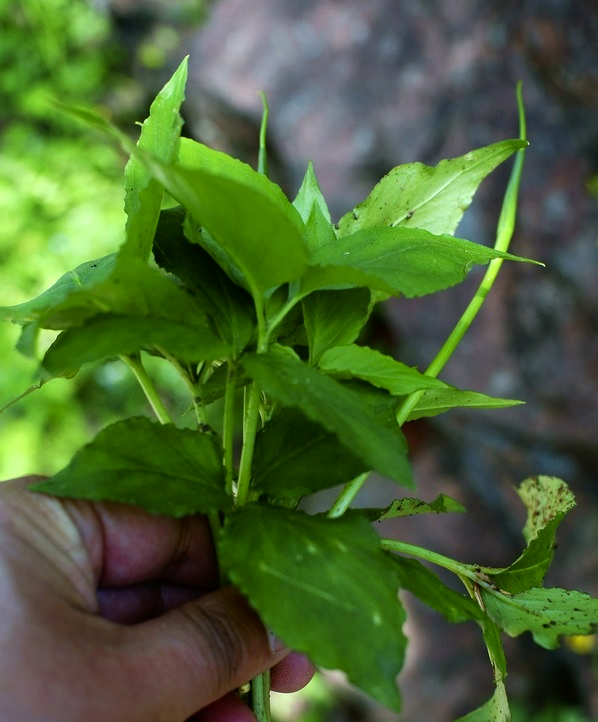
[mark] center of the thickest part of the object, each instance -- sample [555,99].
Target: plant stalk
[228,428]
[262,161]
[252,405]
[260,697]
[347,496]
[136,366]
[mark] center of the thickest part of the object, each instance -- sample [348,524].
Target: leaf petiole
[135,364]
[228,427]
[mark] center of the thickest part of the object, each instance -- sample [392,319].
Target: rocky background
[361,87]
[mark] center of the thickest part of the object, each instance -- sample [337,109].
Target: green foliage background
[61,199]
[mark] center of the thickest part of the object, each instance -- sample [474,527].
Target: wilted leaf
[548,499]
[442,504]
[546,613]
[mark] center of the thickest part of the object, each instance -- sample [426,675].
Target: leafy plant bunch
[258,302]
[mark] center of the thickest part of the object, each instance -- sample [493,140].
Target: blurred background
[358,88]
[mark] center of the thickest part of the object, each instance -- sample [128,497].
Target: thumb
[195,654]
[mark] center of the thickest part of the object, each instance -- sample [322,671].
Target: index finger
[128,545]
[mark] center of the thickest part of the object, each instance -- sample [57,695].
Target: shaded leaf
[295,456]
[165,470]
[434,198]
[376,368]
[398,261]
[110,335]
[229,306]
[433,402]
[336,408]
[334,318]
[426,586]
[326,589]
[136,308]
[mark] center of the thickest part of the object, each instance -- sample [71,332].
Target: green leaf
[295,456]
[436,401]
[546,613]
[426,586]
[110,335]
[334,318]
[165,470]
[310,196]
[496,709]
[382,371]
[137,308]
[325,587]
[247,216]
[85,275]
[338,409]
[398,261]
[228,305]
[548,500]
[420,196]
[442,504]
[160,137]
[313,209]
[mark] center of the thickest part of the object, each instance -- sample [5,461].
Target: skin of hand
[110,613]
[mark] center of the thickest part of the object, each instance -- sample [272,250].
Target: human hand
[110,614]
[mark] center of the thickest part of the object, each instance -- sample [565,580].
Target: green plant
[257,303]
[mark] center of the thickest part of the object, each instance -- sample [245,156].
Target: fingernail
[275,643]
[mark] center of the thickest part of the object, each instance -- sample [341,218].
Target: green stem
[186,377]
[458,568]
[260,697]
[228,427]
[347,496]
[262,161]
[250,428]
[136,366]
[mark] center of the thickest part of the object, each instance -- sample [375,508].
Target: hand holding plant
[258,303]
